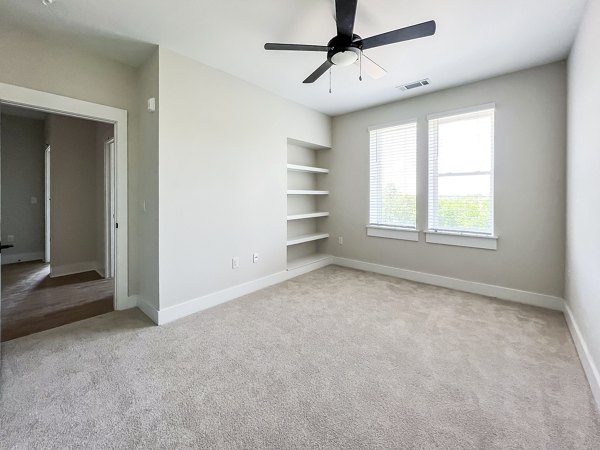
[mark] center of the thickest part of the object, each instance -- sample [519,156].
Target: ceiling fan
[346,48]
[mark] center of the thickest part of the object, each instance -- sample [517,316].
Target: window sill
[462,240]
[403,234]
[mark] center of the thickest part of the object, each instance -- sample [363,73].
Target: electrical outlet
[255,258]
[235,262]
[340,240]
[10,238]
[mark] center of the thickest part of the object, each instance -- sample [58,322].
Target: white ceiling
[475,39]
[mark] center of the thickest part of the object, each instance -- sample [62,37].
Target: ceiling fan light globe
[344,59]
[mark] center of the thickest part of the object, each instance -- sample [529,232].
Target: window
[461,172]
[393,188]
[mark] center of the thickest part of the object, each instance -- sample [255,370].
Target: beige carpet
[333,359]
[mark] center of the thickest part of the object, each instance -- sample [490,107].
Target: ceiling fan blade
[320,71]
[297,47]
[345,15]
[373,69]
[403,34]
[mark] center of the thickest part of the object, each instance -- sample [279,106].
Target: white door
[109,207]
[47,205]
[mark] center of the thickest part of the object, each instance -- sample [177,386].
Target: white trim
[404,234]
[22,257]
[462,240]
[298,263]
[397,123]
[44,101]
[489,290]
[207,301]
[147,309]
[461,111]
[70,269]
[589,366]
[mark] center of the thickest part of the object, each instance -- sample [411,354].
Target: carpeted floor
[34,302]
[334,359]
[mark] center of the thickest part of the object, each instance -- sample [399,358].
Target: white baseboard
[147,309]
[489,290]
[22,257]
[70,269]
[589,366]
[207,301]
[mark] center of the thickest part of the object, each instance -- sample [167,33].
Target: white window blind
[393,165]
[461,172]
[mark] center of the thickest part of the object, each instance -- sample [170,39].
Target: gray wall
[222,177]
[73,193]
[22,178]
[148,187]
[529,184]
[583,188]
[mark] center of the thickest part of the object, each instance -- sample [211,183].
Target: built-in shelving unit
[307,201]
[307,238]
[306,260]
[307,216]
[306,192]
[307,169]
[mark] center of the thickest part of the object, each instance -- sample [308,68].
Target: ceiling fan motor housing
[344,51]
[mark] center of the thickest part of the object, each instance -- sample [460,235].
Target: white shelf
[307,216]
[306,238]
[306,192]
[308,169]
[306,260]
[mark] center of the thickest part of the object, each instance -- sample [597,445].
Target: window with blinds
[461,172]
[393,180]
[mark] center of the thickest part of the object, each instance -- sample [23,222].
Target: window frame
[408,233]
[459,237]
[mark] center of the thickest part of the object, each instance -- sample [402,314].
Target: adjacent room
[300,224]
[57,202]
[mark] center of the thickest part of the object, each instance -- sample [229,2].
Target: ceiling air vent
[414,85]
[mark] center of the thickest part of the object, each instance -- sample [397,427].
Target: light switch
[34,200]
[151,104]
[10,238]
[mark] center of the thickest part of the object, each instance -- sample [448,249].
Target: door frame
[53,103]
[109,208]
[47,204]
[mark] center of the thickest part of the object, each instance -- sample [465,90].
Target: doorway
[68,162]
[113,209]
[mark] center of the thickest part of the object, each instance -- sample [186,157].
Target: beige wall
[73,193]
[148,181]
[583,187]
[529,184]
[22,160]
[32,61]
[222,177]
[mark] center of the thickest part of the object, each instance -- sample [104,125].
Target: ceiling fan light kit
[346,48]
[345,57]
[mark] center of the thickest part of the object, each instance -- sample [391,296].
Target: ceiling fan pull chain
[330,80]
[360,65]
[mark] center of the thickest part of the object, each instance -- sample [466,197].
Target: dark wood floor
[33,302]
